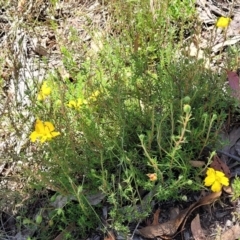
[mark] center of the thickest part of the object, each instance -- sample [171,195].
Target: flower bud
[205,115]
[189,182]
[58,103]
[50,222]
[187,108]
[38,219]
[214,116]
[184,198]
[186,99]
[180,177]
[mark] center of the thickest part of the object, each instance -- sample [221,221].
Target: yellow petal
[40,97]
[216,187]
[43,139]
[94,95]
[39,127]
[210,171]
[48,136]
[49,126]
[219,174]
[72,104]
[208,181]
[224,181]
[220,177]
[33,136]
[54,134]
[79,102]
[46,91]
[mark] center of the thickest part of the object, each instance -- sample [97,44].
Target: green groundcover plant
[138,111]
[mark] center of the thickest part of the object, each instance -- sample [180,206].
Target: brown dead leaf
[231,234]
[212,197]
[164,230]
[233,80]
[196,163]
[40,50]
[219,165]
[168,229]
[228,189]
[230,139]
[197,229]
[155,219]
[173,212]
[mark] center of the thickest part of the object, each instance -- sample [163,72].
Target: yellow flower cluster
[94,96]
[216,180]
[77,104]
[44,91]
[44,131]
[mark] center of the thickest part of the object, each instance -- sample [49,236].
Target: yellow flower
[152,176]
[77,104]
[94,96]
[72,104]
[44,91]
[216,179]
[223,22]
[44,131]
